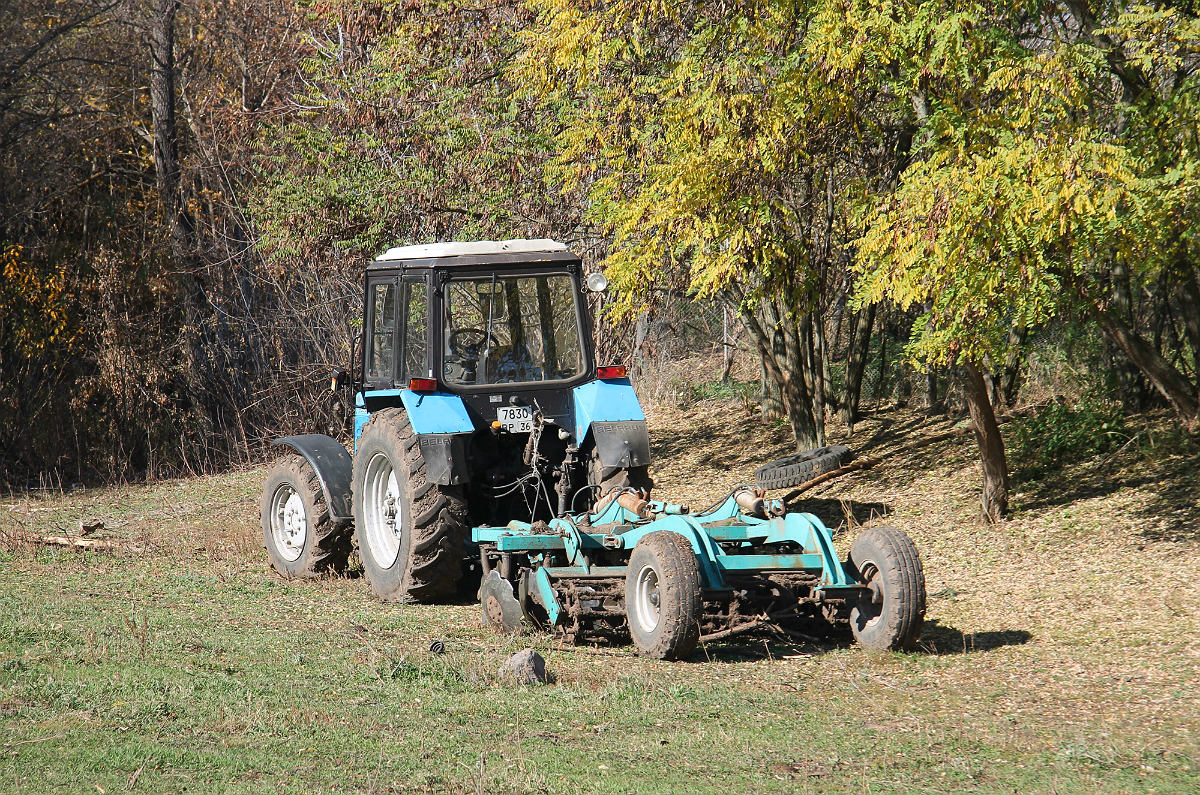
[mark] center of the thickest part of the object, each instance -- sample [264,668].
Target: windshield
[510,329]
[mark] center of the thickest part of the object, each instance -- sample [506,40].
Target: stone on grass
[526,667]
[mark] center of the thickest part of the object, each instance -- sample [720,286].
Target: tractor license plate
[516,419]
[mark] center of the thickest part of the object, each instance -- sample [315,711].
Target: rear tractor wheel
[662,596]
[890,616]
[605,479]
[410,531]
[301,538]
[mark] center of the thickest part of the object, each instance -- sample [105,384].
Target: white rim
[869,572]
[646,599]
[289,523]
[383,510]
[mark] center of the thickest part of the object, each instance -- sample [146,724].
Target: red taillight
[607,373]
[422,384]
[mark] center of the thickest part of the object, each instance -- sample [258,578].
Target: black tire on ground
[301,538]
[662,596]
[609,478]
[795,470]
[432,519]
[887,559]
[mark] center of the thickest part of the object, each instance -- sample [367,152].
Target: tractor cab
[487,347]
[471,319]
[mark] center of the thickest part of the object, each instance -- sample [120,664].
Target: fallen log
[71,541]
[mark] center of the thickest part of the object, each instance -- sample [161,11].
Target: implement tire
[410,531]
[887,560]
[662,596]
[796,470]
[301,538]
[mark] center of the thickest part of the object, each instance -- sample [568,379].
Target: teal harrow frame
[749,553]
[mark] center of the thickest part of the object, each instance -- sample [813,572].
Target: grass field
[1061,652]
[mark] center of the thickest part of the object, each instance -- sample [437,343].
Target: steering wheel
[469,342]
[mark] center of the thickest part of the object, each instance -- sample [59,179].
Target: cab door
[397,338]
[381,344]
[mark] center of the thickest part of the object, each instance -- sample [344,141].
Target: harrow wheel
[662,596]
[410,531]
[891,616]
[301,538]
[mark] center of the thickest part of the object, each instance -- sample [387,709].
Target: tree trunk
[856,363]
[931,389]
[196,393]
[779,344]
[881,382]
[1133,386]
[772,396]
[991,445]
[829,399]
[1189,307]
[166,130]
[991,382]
[641,328]
[1179,392]
[1013,361]
[546,326]
[810,367]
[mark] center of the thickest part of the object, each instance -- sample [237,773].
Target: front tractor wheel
[889,617]
[662,596]
[410,531]
[301,538]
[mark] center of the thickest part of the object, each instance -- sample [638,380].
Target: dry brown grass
[1086,597]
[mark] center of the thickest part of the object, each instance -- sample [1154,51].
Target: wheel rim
[646,599]
[383,510]
[870,613]
[289,522]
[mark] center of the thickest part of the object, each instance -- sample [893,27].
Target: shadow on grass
[937,639]
[1170,511]
[840,514]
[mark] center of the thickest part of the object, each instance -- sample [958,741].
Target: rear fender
[609,412]
[333,466]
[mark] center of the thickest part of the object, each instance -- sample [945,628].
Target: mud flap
[445,457]
[623,443]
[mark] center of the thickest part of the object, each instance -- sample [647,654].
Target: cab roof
[470,249]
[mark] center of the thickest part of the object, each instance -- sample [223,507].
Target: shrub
[1060,434]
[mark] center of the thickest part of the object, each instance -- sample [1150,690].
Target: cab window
[511,329]
[381,341]
[416,331]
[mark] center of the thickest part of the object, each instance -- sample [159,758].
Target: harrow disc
[499,606]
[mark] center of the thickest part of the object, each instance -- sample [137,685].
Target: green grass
[1060,655]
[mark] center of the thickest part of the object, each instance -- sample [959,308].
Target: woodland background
[827,207]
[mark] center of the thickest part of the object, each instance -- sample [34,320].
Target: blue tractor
[490,446]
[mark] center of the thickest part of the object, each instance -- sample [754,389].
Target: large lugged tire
[662,596]
[795,470]
[301,538]
[410,531]
[887,560]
